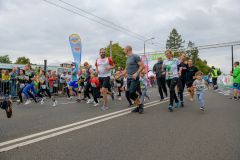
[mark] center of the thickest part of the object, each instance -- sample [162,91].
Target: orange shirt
[51,81]
[94,81]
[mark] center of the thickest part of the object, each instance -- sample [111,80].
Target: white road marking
[126,111]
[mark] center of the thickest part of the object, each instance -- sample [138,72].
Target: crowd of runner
[90,85]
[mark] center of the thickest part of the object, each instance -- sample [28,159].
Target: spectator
[13,82]
[63,81]
[5,82]
[18,69]
[236,80]
[38,71]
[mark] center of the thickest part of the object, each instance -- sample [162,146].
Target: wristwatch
[137,72]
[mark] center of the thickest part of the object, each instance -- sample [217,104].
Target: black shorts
[104,82]
[190,83]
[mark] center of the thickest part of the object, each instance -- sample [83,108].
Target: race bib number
[170,74]
[201,87]
[43,86]
[93,85]
[27,78]
[119,84]
[22,85]
[85,83]
[142,86]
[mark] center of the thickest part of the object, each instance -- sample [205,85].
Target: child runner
[68,92]
[44,87]
[95,88]
[199,84]
[119,82]
[144,81]
[81,81]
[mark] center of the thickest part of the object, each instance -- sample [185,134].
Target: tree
[22,60]
[5,59]
[175,41]
[193,53]
[202,66]
[118,55]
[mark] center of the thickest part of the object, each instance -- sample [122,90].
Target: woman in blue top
[172,69]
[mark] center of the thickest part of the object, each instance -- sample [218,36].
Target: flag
[76,46]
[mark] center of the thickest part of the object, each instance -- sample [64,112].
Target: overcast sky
[39,30]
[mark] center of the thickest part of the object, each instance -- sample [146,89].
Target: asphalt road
[88,133]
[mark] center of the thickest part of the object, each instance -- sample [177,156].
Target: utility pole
[232,59]
[111,49]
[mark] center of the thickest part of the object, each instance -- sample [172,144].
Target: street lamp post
[146,41]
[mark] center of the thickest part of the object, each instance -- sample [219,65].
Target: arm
[122,74]
[96,70]
[207,85]
[141,67]
[154,69]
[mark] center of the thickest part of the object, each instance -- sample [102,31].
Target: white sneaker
[202,109]
[54,103]
[28,102]
[71,98]
[97,104]
[18,100]
[89,101]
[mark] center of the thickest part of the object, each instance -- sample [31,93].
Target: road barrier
[225,81]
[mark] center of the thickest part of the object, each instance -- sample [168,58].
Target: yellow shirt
[5,77]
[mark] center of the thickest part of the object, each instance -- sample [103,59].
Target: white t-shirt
[102,63]
[171,68]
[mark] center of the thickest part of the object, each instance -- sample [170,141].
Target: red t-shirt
[94,82]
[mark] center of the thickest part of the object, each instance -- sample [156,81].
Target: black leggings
[119,91]
[183,82]
[29,93]
[161,86]
[171,85]
[86,90]
[128,97]
[42,90]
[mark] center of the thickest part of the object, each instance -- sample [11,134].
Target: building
[65,65]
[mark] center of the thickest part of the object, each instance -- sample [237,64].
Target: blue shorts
[73,83]
[236,86]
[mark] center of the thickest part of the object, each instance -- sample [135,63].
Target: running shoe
[18,100]
[170,107]
[202,109]
[54,103]
[182,104]
[149,98]
[68,98]
[120,99]
[84,99]
[176,105]
[19,103]
[140,110]
[130,105]
[78,100]
[161,100]
[135,110]
[28,102]
[104,107]
[71,98]
[42,101]
[234,98]
[97,104]
[89,101]
[113,96]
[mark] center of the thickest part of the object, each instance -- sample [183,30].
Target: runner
[199,84]
[87,84]
[171,66]
[7,106]
[44,87]
[119,82]
[63,82]
[183,77]
[126,92]
[144,81]
[21,82]
[95,88]
[134,66]
[236,80]
[191,71]
[81,79]
[73,84]
[103,65]
[157,69]
[29,75]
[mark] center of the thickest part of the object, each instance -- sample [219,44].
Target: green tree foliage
[22,60]
[5,59]
[174,40]
[118,55]
[202,66]
[192,54]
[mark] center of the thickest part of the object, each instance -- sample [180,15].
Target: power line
[104,20]
[156,44]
